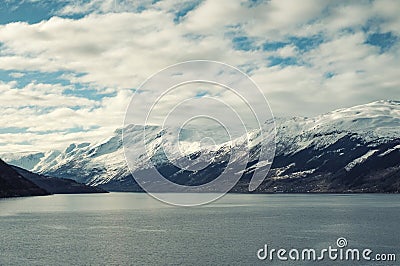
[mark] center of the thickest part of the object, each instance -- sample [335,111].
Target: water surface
[135,229]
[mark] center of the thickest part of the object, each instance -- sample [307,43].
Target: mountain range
[18,182]
[353,149]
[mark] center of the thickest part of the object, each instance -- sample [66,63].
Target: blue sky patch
[243,43]
[272,46]
[5,76]
[248,68]
[282,61]
[303,44]
[53,78]
[201,94]
[194,37]
[31,12]
[38,77]
[253,3]
[382,40]
[88,93]
[12,130]
[329,75]
[186,8]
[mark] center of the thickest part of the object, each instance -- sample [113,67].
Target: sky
[68,69]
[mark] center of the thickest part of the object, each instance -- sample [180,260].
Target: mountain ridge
[312,155]
[55,185]
[13,184]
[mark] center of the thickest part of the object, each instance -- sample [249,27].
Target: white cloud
[113,48]
[40,95]
[287,51]
[278,18]
[47,130]
[16,75]
[388,11]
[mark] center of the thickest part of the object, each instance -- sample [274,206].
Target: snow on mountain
[341,139]
[376,121]
[359,160]
[389,151]
[27,160]
[98,163]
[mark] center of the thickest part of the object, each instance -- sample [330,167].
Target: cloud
[39,95]
[287,51]
[308,57]
[143,44]
[277,19]
[16,75]
[45,118]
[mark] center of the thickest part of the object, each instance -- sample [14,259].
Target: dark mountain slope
[57,185]
[13,184]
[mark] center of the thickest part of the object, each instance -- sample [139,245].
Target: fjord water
[135,229]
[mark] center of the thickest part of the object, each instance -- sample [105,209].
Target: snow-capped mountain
[27,160]
[351,149]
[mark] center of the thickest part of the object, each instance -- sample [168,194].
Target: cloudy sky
[69,68]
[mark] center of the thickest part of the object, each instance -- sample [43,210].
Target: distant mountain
[26,160]
[354,149]
[57,185]
[13,184]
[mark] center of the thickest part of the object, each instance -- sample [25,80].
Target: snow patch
[359,160]
[390,150]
